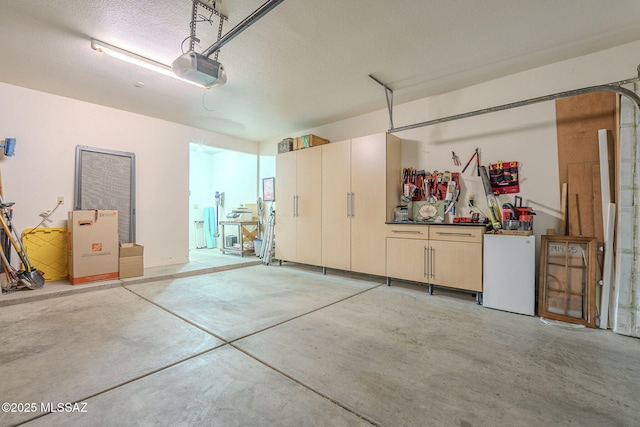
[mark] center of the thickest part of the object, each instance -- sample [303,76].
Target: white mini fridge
[509,282]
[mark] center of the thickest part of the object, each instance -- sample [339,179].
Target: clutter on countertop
[431,194]
[517,219]
[430,197]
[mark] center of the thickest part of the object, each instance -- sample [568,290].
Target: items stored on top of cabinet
[285,145]
[307,141]
[304,141]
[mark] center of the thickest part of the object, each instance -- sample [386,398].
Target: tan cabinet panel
[285,232]
[455,264]
[308,215]
[371,156]
[298,192]
[338,200]
[408,231]
[336,205]
[407,259]
[452,254]
[456,233]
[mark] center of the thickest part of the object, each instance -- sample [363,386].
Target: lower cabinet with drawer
[444,255]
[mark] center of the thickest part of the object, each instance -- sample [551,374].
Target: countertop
[455,224]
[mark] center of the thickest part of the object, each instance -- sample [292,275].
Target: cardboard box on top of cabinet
[92,245]
[285,145]
[307,141]
[131,260]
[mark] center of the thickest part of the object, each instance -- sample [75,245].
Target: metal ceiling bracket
[194,20]
[609,87]
[388,92]
[246,23]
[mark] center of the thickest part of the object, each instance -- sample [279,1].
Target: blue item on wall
[210,227]
[9,147]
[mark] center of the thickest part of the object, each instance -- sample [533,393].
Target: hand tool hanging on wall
[494,209]
[454,157]
[476,154]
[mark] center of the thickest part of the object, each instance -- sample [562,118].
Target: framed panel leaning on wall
[568,279]
[268,189]
[105,179]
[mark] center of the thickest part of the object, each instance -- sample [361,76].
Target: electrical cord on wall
[45,217]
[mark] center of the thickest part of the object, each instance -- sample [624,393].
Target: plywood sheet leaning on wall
[584,201]
[578,120]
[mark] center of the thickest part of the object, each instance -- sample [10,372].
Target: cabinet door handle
[348,204]
[353,209]
[424,262]
[442,233]
[295,205]
[406,231]
[431,275]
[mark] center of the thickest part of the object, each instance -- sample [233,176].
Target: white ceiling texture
[304,64]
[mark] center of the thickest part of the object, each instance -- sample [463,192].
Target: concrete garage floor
[288,346]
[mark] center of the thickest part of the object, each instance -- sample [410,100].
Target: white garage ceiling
[306,63]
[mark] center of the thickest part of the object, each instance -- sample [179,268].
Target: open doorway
[233,177]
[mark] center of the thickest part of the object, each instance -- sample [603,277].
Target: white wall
[49,127]
[201,195]
[610,65]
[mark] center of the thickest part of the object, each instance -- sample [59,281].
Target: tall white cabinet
[298,206]
[360,188]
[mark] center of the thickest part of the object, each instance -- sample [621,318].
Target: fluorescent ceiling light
[138,60]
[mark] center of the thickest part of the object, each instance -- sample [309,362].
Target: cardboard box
[285,145]
[306,141]
[92,246]
[131,263]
